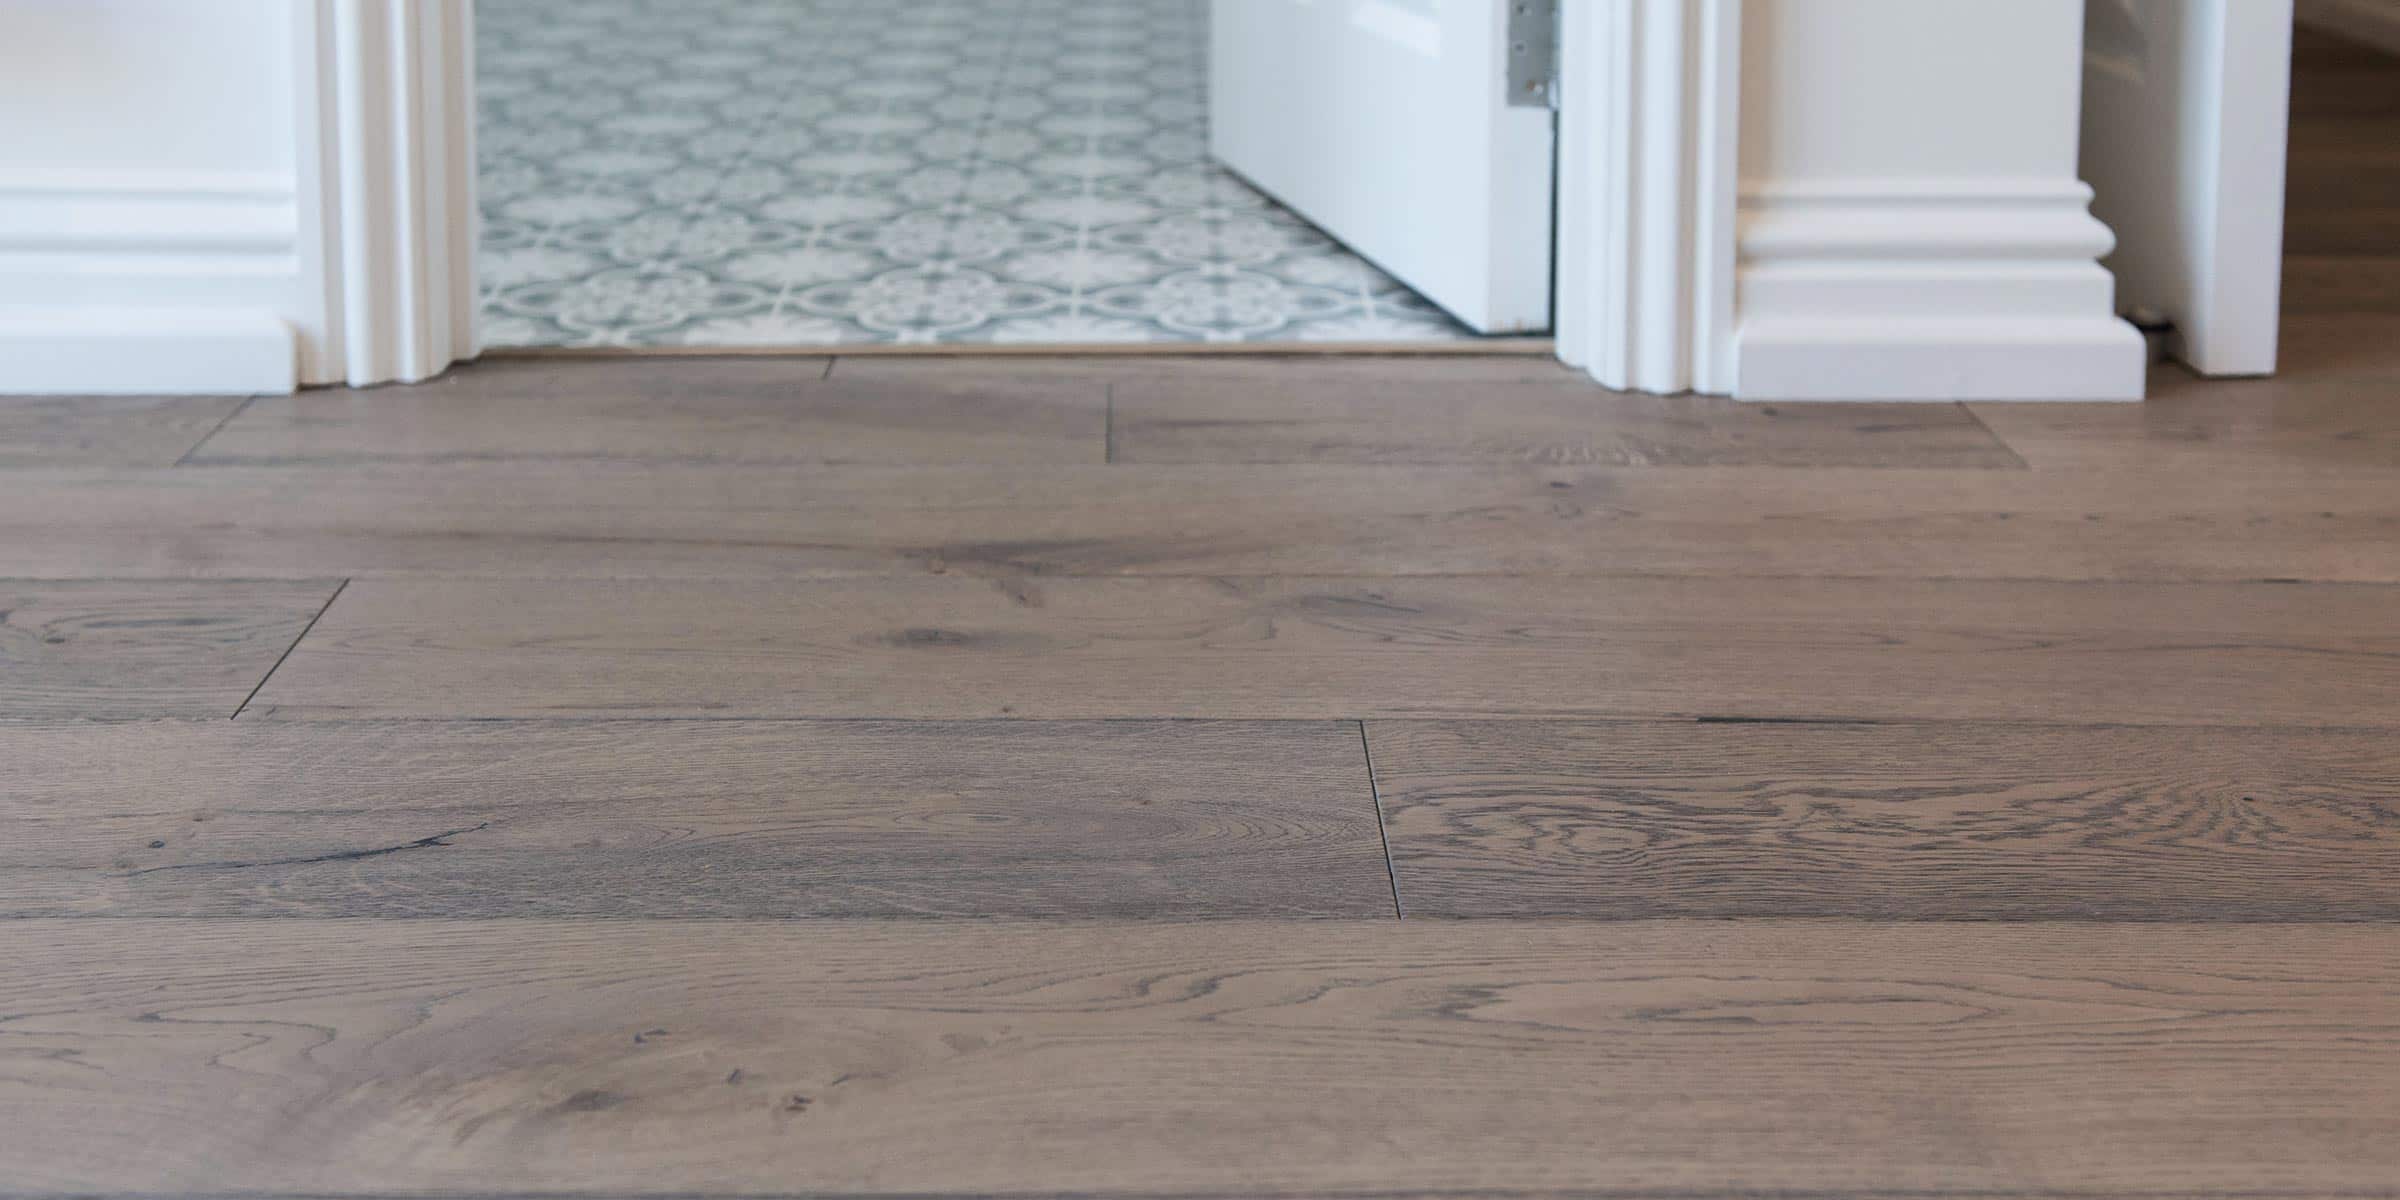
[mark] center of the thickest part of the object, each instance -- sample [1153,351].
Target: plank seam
[287,650]
[1994,434]
[214,430]
[1375,794]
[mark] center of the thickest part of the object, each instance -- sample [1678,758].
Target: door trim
[386,188]
[1649,101]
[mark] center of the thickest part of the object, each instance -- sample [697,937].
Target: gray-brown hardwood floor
[1217,776]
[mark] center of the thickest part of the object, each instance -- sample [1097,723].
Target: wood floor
[1217,777]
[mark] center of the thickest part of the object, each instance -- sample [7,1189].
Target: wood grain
[941,647]
[2353,282]
[2352,193]
[118,649]
[2334,77]
[617,520]
[1691,1058]
[133,431]
[2331,345]
[2227,429]
[1185,420]
[2342,214]
[1927,822]
[690,819]
[706,413]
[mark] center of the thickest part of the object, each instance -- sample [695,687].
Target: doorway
[809,173]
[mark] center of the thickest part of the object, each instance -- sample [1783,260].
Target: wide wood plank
[1925,822]
[135,431]
[953,647]
[2228,430]
[2353,282]
[690,819]
[1237,1058]
[2327,345]
[2342,215]
[2335,77]
[617,520]
[118,649]
[1202,420]
[703,410]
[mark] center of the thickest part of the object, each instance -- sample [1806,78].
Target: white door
[2184,127]
[1391,125]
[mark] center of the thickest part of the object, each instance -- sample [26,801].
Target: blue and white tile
[828,172]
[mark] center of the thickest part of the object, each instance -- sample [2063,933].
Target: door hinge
[1533,53]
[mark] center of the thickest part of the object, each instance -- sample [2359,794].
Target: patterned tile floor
[813,172]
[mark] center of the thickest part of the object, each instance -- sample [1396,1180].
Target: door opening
[963,173]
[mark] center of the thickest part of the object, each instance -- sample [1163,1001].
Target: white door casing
[2184,126]
[1649,92]
[387,181]
[1388,124]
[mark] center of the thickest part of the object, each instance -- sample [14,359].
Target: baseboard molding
[73,351]
[1928,289]
[1940,358]
[75,239]
[175,212]
[2374,22]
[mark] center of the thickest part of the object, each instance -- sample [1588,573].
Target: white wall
[147,170]
[1849,89]
[1910,225]
[165,85]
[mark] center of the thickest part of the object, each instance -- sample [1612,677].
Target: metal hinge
[1533,53]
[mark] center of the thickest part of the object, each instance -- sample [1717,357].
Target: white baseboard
[2374,22]
[75,351]
[147,239]
[147,281]
[162,211]
[1939,289]
[1940,358]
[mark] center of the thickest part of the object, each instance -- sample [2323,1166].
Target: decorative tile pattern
[819,172]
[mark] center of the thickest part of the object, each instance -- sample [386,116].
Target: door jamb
[1644,278]
[1649,106]
[386,188]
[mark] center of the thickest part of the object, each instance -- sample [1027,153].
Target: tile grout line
[1391,874]
[338,589]
[215,429]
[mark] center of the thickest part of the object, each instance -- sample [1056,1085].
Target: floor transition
[833,172]
[1216,777]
